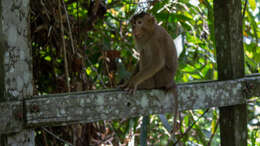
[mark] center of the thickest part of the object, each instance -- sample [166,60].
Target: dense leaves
[99,52]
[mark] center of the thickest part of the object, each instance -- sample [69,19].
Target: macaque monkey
[158,57]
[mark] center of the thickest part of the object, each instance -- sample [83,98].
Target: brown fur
[158,56]
[158,59]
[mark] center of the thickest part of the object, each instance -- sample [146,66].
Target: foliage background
[80,45]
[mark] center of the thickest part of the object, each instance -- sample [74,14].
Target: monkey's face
[142,25]
[137,28]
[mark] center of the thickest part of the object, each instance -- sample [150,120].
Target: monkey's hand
[124,85]
[131,87]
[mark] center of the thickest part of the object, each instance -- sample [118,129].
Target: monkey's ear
[151,19]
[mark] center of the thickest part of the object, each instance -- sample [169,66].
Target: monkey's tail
[175,94]
[173,90]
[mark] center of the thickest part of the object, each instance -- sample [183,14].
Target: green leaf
[253,137]
[188,68]
[196,76]
[252,4]
[47,58]
[88,70]
[186,120]
[109,1]
[257,57]
[74,5]
[214,122]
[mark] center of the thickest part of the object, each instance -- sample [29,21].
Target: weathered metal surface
[252,86]
[112,104]
[212,94]
[228,27]
[12,117]
[17,55]
[82,107]
[15,71]
[95,106]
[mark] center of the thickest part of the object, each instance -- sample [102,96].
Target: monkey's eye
[139,22]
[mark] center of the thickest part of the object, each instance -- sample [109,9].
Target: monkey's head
[142,25]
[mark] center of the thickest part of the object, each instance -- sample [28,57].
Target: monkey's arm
[148,71]
[136,70]
[156,64]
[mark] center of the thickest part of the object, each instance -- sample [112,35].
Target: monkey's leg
[147,84]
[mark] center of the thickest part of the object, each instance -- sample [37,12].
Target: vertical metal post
[230,62]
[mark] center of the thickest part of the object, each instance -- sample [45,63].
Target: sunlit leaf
[109,1]
[188,68]
[214,122]
[196,76]
[257,57]
[97,65]
[47,58]
[88,71]
[252,4]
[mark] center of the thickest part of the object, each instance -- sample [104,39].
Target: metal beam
[91,106]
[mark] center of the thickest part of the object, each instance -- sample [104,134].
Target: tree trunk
[230,61]
[15,63]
